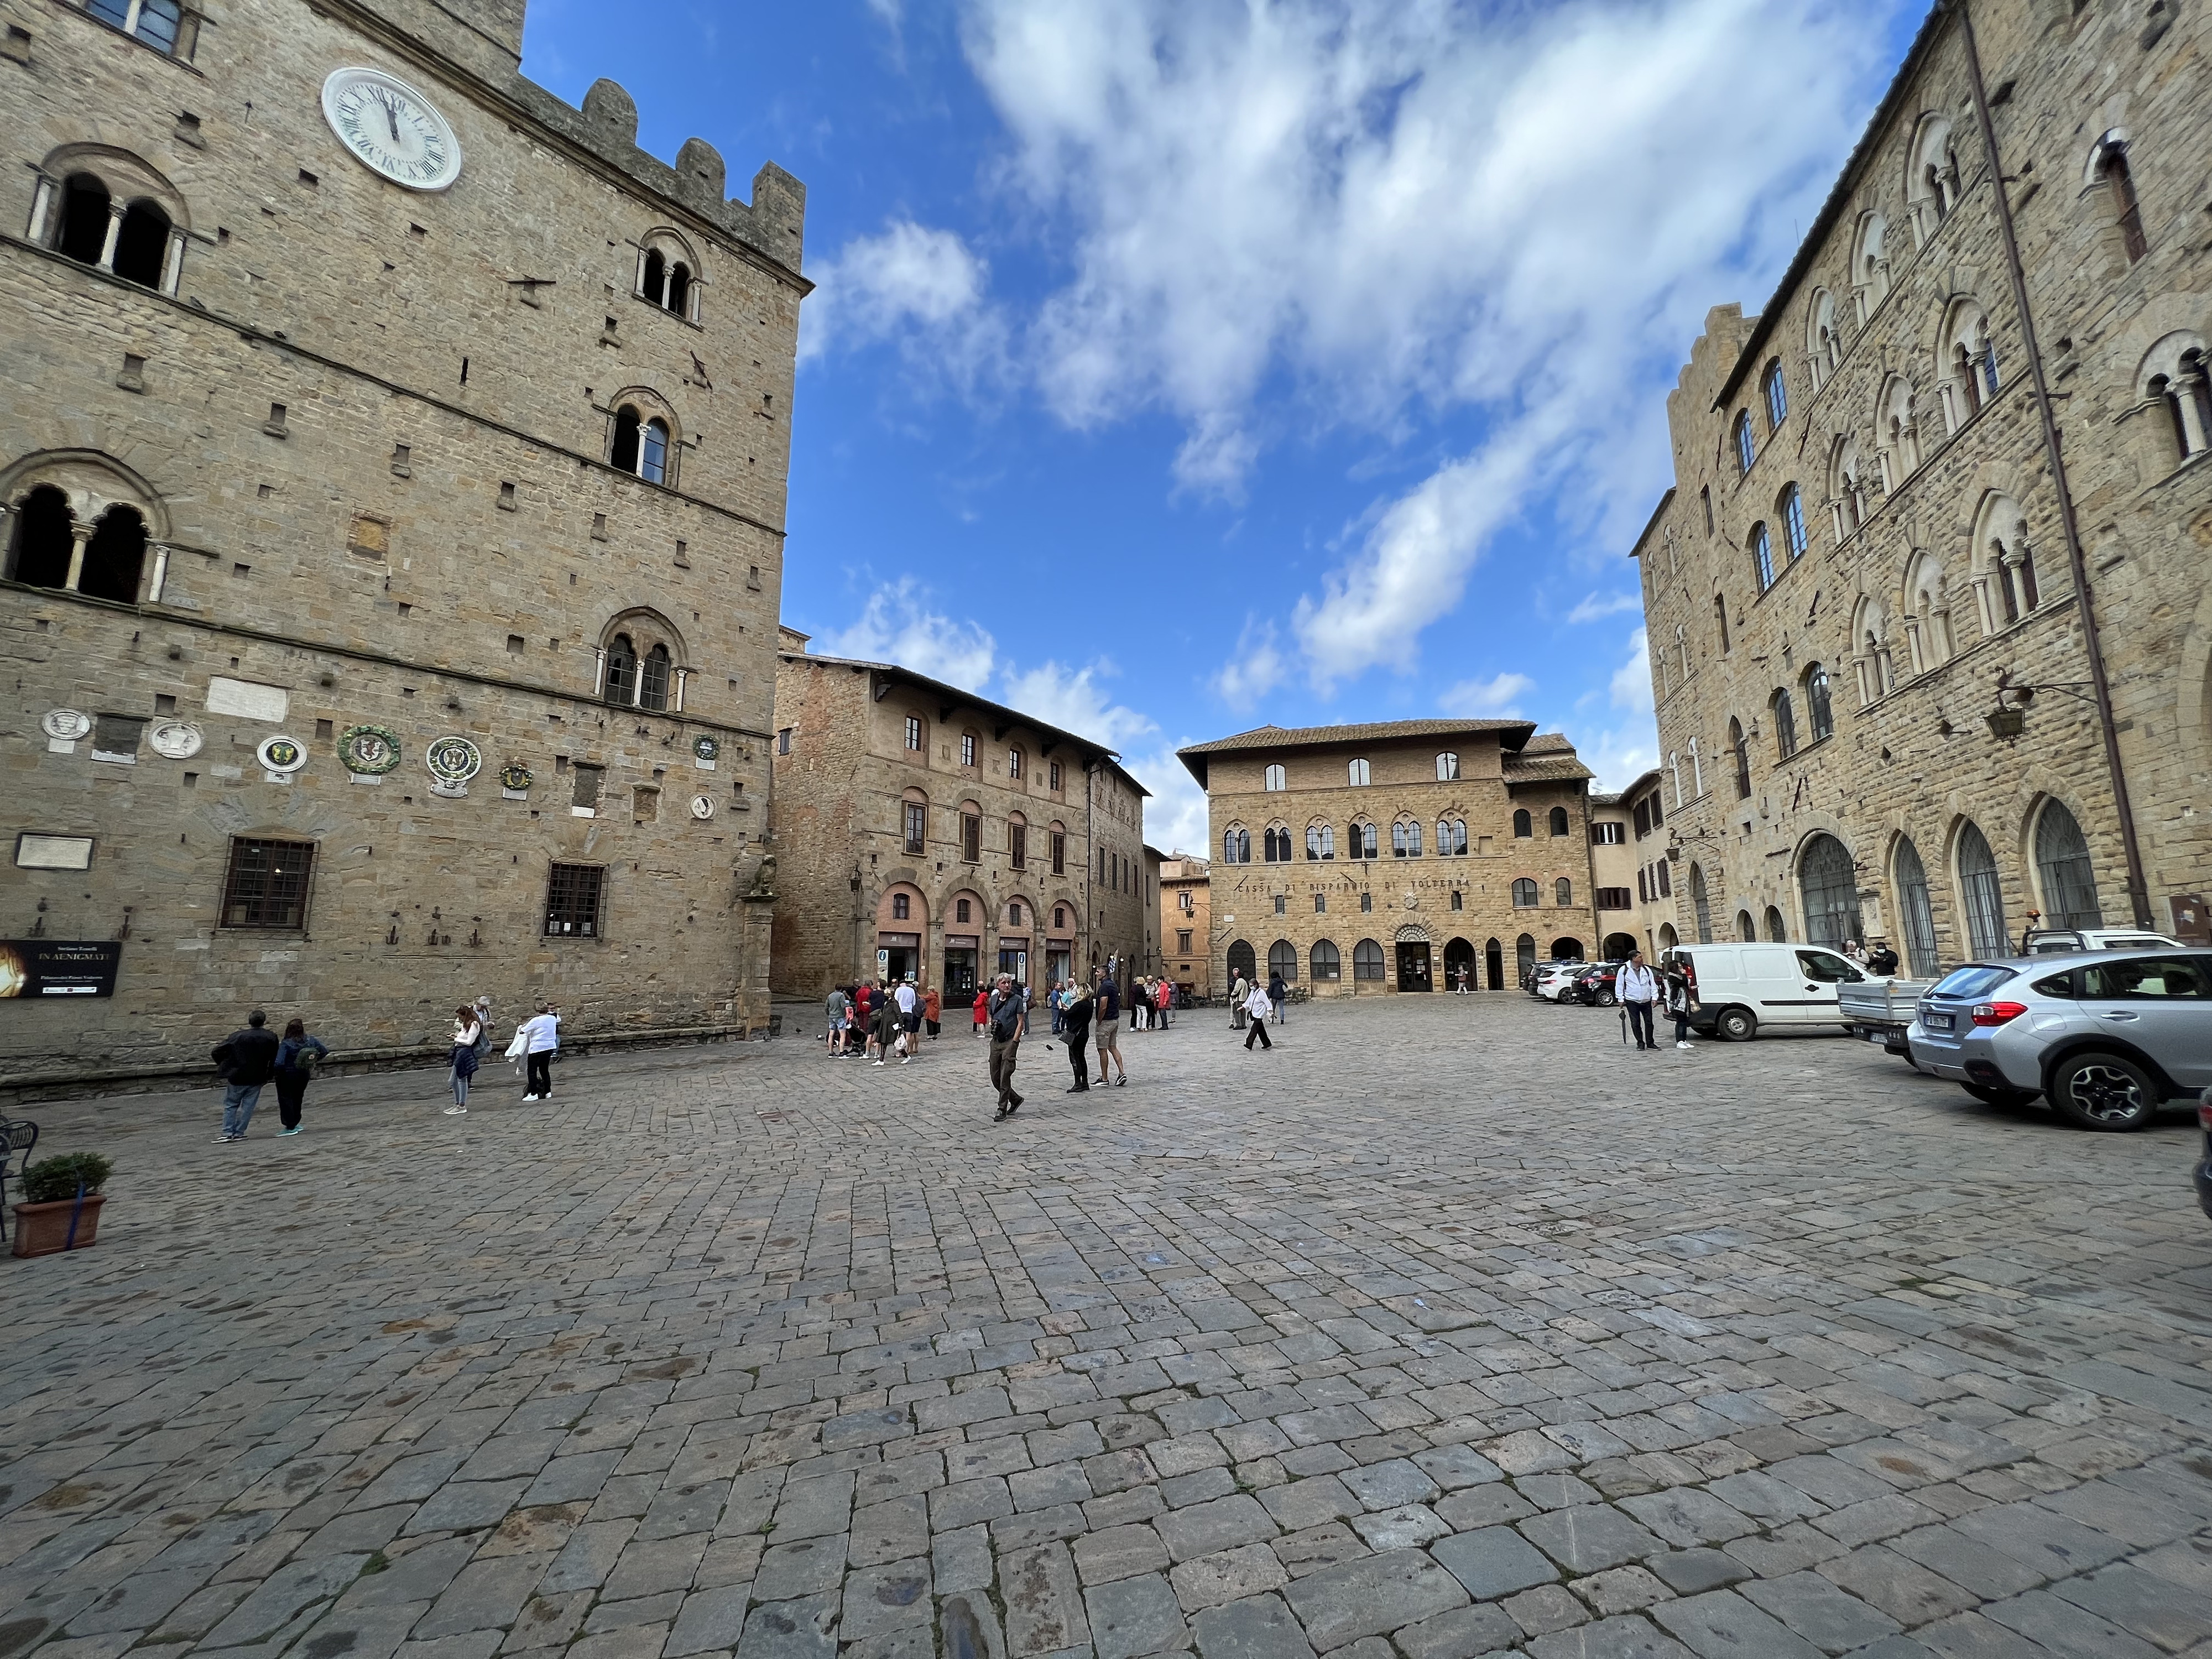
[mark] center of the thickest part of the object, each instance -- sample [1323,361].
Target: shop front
[1014,957]
[962,952]
[1059,959]
[898,955]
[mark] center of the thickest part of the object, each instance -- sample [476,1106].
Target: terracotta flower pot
[43,1229]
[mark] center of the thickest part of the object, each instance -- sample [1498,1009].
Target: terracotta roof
[1544,768]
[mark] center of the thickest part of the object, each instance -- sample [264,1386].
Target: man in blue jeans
[245,1061]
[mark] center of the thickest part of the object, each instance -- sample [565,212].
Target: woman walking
[1278,994]
[295,1055]
[467,1029]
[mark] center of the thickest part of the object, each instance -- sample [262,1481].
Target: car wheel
[1736,1025]
[1992,1095]
[2103,1091]
[1606,998]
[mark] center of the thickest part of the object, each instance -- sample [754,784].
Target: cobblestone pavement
[1450,1327]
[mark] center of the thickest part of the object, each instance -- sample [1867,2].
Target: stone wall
[1192,970]
[1912,592]
[369,431]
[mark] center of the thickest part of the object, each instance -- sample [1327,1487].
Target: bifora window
[1358,773]
[573,892]
[1321,842]
[266,885]
[640,445]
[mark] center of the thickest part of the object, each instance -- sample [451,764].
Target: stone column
[42,204]
[80,533]
[114,231]
[172,262]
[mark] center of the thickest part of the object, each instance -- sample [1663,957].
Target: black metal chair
[16,1136]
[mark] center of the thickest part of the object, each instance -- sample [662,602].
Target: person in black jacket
[1075,1025]
[1003,1012]
[245,1061]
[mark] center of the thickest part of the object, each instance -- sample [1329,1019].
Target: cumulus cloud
[1071,699]
[1596,607]
[1288,216]
[1631,681]
[1256,668]
[1495,698]
[1620,756]
[899,625]
[1175,816]
[917,287]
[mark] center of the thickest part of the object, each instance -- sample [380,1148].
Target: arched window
[1777,932]
[115,556]
[1898,428]
[621,670]
[1237,846]
[1817,707]
[1397,841]
[1458,900]
[1523,826]
[1283,958]
[2112,169]
[1277,845]
[1525,895]
[1829,887]
[1762,557]
[1452,838]
[1740,748]
[1983,894]
[1560,824]
[679,289]
[1357,773]
[1846,497]
[1914,907]
[653,276]
[1870,265]
[1563,892]
[1747,450]
[640,445]
[901,908]
[2007,557]
[1320,842]
[1777,397]
[141,245]
[1367,960]
[1365,841]
[84,218]
[1524,957]
[1785,724]
[653,679]
[1242,961]
[1701,905]
[1276,779]
[1747,932]
[157,23]
[1793,522]
[2062,862]
[42,536]
[1446,767]
[653,452]
[1328,965]
[1823,349]
[2173,374]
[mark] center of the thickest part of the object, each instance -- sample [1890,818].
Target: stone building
[921,830]
[1186,920]
[1613,870]
[393,471]
[1868,540]
[1359,859]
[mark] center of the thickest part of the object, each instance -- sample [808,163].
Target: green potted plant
[62,1199]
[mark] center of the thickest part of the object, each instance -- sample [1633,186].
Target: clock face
[391,128]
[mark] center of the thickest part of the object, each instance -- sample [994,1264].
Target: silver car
[2106,1035]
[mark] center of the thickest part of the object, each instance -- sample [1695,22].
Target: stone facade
[1615,867]
[1329,867]
[1842,575]
[308,473]
[922,830]
[1186,924]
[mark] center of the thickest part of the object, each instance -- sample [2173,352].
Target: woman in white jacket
[1257,1005]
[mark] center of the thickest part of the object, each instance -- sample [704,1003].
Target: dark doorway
[959,977]
[1459,959]
[1242,961]
[1566,950]
[43,537]
[1414,966]
[1618,947]
[1493,962]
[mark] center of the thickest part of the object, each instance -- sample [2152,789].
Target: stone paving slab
[1448,1328]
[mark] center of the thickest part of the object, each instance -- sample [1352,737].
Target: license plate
[1936,1022]
[1875,1036]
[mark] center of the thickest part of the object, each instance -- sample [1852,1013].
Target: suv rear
[2106,1035]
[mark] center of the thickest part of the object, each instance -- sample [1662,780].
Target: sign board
[2192,924]
[59,967]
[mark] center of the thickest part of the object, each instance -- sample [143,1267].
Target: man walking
[1004,1016]
[1257,1007]
[541,1036]
[1238,994]
[1107,1025]
[245,1061]
[1638,989]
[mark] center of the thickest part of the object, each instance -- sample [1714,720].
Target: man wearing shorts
[838,1012]
[909,1007]
[1107,1025]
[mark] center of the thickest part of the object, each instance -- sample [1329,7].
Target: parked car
[2066,941]
[1881,1010]
[1552,981]
[2205,1164]
[1743,989]
[1593,985]
[2106,1036]
[1532,981]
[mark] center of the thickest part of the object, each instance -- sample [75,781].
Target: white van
[1743,989]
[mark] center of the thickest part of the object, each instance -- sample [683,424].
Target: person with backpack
[296,1054]
[1075,1025]
[245,1060]
[1003,1014]
[468,1031]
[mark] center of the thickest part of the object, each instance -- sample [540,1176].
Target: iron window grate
[266,885]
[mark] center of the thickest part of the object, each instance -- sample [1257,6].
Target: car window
[2148,978]
[1972,980]
[2058,985]
[2135,944]
[1825,969]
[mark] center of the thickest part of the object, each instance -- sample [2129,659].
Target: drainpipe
[2138,888]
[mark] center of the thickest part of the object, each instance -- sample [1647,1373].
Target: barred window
[266,885]
[573,892]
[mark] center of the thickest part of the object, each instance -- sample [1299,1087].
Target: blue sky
[1179,365]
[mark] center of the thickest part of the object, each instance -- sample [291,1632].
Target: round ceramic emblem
[64,724]
[370,751]
[706,749]
[175,740]
[514,777]
[390,127]
[703,807]
[454,760]
[282,754]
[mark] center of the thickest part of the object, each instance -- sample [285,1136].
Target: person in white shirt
[541,1036]
[1638,989]
[1257,1005]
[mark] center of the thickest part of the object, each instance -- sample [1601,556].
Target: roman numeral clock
[392,129]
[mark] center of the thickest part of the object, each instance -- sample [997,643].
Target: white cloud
[1256,668]
[1175,817]
[918,287]
[1489,699]
[897,625]
[1631,681]
[1072,701]
[1284,217]
[1596,607]
[1620,756]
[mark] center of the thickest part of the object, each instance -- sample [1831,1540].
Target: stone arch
[1828,883]
[1824,343]
[669,272]
[1965,360]
[1896,431]
[82,522]
[2007,584]
[1870,262]
[632,413]
[1932,174]
[92,480]
[1924,606]
[642,662]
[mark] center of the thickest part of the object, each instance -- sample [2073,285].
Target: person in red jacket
[982,1010]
